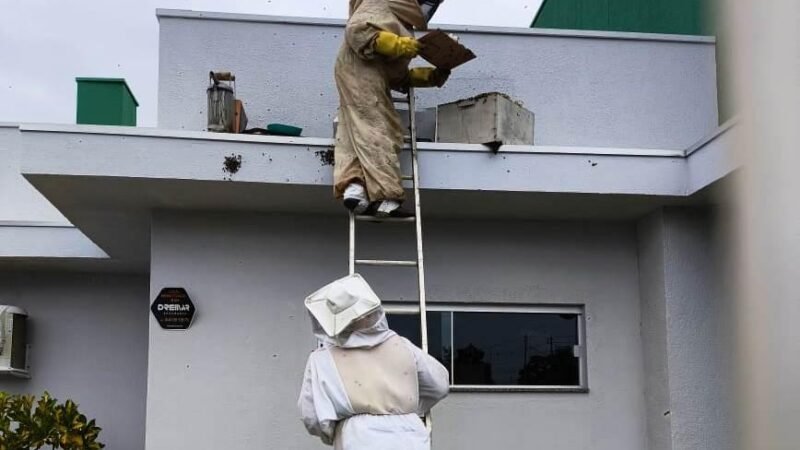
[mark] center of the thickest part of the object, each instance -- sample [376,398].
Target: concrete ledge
[327,142]
[706,140]
[713,158]
[61,150]
[106,130]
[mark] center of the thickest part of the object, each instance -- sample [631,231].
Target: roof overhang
[108,180]
[32,232]
[47,244]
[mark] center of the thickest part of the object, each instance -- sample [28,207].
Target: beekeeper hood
[408,11]
[429,8]
[348,313]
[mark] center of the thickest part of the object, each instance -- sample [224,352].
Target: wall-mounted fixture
[13,341]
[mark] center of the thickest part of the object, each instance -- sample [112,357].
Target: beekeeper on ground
[367,387]
[374,59]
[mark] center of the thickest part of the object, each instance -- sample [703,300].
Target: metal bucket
[221,98]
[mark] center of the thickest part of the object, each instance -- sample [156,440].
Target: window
[502,348]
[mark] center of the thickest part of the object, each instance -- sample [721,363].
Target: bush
[50,424]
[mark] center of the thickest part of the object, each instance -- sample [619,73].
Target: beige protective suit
[370,135]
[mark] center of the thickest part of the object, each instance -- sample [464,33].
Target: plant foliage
[28,423]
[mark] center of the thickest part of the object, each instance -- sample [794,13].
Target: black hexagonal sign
[173,309]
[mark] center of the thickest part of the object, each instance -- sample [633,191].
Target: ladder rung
[378,262]
[386,219]
[400,99]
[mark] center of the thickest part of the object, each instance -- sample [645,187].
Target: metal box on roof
[492,119]
[105,101]
[426,123]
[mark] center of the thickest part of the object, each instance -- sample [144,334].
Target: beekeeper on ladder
[367,387]
[374,59]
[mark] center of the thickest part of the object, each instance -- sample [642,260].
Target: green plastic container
[281,129]
[105,101]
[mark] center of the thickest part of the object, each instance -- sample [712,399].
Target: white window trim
[578,310]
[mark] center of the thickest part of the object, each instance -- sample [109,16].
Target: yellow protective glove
[423,77]
[394,46]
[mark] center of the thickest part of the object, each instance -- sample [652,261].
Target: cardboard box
[239,117]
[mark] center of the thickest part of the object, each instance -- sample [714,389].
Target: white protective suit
[366,390]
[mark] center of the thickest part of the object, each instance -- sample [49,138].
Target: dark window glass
[439,341]
[515,349]
[509,349]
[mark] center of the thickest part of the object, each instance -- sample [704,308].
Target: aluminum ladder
[419,264]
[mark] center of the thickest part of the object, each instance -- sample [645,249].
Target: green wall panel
[644,16]
[592,15]
[622,16]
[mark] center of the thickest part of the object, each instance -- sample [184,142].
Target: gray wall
[238,368]
[590,91]
[89,343]
[686,331]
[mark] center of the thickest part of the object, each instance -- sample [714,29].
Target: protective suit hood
[408,11]
[375,333]
[429,8]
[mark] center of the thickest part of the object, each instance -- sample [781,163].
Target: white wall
[239,367]
[650,234]
[700,331]
[30,226]
[686,331]
[88,334]
[19,201]
[591,91]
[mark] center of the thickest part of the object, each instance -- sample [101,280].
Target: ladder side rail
[352,244]
[423,310]
[418,214]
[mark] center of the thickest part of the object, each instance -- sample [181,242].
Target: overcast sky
[45,44]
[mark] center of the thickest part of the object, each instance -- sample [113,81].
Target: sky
[45,44]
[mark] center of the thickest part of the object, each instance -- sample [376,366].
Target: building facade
[574,285]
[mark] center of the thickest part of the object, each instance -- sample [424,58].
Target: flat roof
[520,31]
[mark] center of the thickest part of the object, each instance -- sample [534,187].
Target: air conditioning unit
[13,343]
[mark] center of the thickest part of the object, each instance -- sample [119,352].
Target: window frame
[579,350]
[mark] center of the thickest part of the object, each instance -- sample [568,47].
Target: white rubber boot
[355,198]
[387,207]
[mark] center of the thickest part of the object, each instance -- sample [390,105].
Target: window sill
[522,389]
